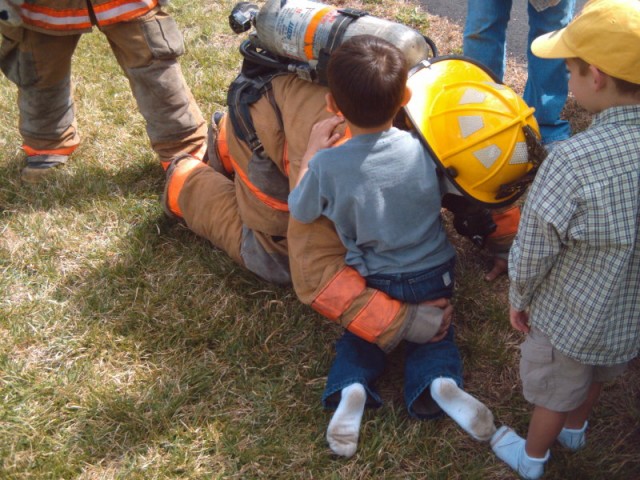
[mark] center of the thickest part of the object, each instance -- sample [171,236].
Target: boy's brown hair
[367,78]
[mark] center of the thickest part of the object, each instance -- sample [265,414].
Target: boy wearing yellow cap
[575,264]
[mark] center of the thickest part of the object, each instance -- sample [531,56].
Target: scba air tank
[302,29]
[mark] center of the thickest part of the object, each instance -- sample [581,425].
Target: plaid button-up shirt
[575,262]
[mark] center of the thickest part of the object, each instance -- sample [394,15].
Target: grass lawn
[131,349]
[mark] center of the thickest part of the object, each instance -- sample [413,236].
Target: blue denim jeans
[547,80]
[358,361]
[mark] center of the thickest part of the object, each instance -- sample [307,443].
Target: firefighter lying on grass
[238,201]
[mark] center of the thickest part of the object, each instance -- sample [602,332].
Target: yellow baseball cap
[605,34]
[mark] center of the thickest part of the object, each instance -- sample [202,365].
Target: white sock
[467,411]
[344,427]
[573,438]
[510,448]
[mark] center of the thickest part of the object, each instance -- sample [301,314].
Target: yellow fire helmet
[482,135]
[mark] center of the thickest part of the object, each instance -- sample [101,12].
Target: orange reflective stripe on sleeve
[310,32]
[176,182]
[57,151]
[346,136]
[118,11]
[375,317]
[230,165]
[339,293]
[506,222]
[222,147]
[54,19]
[61,19]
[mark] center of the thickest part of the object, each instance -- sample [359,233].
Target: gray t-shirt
[381,191]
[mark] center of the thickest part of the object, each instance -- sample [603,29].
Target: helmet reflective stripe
[471,95]
[470,125]
[488,155]
[520,154]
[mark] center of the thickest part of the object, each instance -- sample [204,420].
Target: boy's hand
[323,135]
[519,319]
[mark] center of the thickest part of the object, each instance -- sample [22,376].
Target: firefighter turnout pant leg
[147,49]
[40,66]
[207,202]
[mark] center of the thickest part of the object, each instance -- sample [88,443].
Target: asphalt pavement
[456,11]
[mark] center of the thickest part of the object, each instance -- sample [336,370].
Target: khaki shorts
[554,381]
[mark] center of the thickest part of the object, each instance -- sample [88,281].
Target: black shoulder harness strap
[243,92]
[261,170]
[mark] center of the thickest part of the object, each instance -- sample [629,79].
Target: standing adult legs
[147,49]
[40,66]
[547,81]
[485,33]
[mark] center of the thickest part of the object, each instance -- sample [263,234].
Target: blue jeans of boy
[358,361]
[547,80]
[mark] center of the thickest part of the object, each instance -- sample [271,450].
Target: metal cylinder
[300,29]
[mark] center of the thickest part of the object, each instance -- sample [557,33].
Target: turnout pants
[146,48]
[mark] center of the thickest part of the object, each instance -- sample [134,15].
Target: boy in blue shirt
[381,191]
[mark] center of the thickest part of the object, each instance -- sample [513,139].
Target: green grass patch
[131,349]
